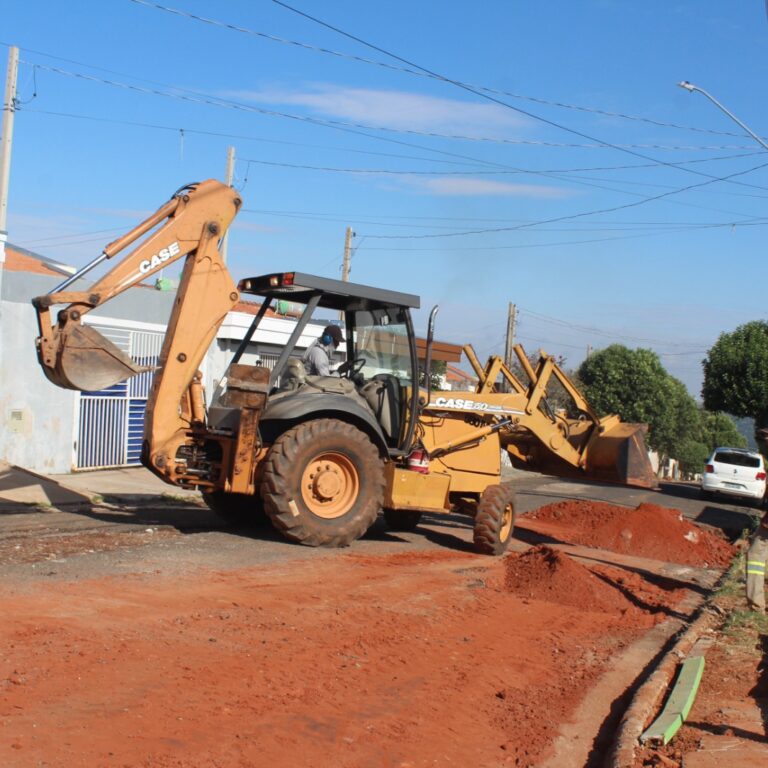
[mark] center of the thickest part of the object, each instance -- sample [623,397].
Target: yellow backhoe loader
[321,456]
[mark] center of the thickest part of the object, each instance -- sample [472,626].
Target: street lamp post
[690,87]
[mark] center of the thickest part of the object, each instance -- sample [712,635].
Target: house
[53,430]
[459,380]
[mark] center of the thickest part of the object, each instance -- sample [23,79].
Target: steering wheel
[352,368]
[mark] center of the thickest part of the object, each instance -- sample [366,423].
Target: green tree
[438,370]
[721,430]
[736,373]
[635,385]
[692,455]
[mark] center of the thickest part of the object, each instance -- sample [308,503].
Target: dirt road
[132,643]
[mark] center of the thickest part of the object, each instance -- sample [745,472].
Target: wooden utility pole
[511,323]
[347,263]
[229,176]
[9,108]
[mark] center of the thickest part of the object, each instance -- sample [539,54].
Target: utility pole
[347,263]
[589,351]
[9,108]
[228,177]
[511,323]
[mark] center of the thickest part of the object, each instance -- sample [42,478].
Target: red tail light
[710,468]
[760,476]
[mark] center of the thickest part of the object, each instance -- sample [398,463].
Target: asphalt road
[166,534]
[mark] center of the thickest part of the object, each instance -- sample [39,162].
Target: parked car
[735,472]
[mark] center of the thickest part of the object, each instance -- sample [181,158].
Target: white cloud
[469,187]
[396,109]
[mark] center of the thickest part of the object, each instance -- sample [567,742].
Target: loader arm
[601,448]
[75,356]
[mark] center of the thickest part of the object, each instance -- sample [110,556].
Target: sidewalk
[21,488]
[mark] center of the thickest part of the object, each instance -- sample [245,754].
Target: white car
[735,472]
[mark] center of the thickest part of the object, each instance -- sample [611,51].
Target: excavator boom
[76,356]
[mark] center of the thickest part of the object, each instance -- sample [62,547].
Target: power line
[576,215]
[586,181]
[385,65]
[246,137]
[597,331]
[199,97]
[343,126]
[483,95]
[610,224]
[549,172]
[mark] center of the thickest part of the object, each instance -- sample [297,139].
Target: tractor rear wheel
[495,519]
[236,508]
[401,519]
[323,483]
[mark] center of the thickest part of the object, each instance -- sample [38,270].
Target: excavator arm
[76,356]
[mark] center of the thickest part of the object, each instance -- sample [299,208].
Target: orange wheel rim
[506,523]
[330,485]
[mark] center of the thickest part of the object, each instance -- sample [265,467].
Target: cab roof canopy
[334,294]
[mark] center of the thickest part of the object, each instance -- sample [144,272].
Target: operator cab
[381,366]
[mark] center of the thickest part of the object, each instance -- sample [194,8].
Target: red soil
[351,661]
[648,531]
[543,573]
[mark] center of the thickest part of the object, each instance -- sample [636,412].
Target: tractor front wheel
[495,519]
[323,483]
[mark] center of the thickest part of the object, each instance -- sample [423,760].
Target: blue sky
[532,185]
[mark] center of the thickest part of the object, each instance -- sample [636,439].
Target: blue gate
[111,422]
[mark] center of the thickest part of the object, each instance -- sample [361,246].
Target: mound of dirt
[543,573]
[649,531]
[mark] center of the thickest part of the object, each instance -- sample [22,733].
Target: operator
[317,358]
[756,557]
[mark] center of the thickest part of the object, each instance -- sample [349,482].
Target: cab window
[380,336]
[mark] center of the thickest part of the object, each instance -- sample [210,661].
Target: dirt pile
[543,573]
[649,531]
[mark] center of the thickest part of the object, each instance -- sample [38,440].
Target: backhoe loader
[320,456]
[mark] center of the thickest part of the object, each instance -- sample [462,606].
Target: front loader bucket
[85,360]
[619,455]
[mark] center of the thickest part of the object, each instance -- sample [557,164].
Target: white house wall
[37,417]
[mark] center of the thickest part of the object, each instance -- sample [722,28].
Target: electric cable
[406,70]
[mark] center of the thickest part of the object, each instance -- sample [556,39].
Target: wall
[36,418]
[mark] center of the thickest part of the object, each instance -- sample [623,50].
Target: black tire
[495,519]
[401,519]
[323,483]
[237,508]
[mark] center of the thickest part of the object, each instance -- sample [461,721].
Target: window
[381,337]
[737,459]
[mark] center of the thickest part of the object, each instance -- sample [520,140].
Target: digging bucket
[87,361]
[619,455]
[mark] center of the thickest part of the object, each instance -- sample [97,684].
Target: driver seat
[294,375]
[382,393]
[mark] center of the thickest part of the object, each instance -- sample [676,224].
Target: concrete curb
[648,697]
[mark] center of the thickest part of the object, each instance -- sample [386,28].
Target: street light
[690,87]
